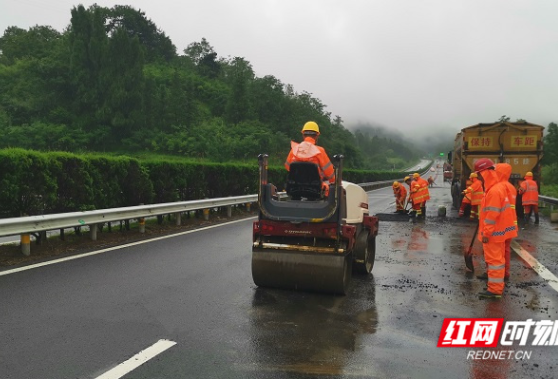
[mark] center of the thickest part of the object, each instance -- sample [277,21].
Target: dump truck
[518,143]
[307,240]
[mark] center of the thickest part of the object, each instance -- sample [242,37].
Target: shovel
[468,255]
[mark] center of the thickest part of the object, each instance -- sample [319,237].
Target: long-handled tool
[468,255]
[407,204]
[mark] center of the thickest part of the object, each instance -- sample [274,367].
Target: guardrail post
[178,216]
[26,244]
[229,211]
[141,222]
[206,214]
[93,232]
[248,205]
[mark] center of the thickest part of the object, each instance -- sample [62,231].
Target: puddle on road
[310,334]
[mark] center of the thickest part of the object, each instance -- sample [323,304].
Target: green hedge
[34,182]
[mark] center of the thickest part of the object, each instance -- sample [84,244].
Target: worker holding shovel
[400,194]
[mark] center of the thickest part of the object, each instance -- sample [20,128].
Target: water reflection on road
[311,334]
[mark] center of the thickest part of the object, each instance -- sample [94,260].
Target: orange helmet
[396,184]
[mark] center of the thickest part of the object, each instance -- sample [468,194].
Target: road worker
[400,194]
[475,193]
[512,194]
[308,151]
[497,223]
[466,202]
[423,194]
[431,181]
[529,192]
[414,188]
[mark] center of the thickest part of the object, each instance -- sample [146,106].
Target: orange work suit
[423,194]
[414,189]
[466,201]
[512,193]
[308,151]
[476,193]
[497,223]
[530,198]
[400,194]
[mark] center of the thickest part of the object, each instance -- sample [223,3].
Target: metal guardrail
[548,200]
[32,224]
[35,224]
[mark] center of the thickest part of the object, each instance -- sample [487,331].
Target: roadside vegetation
[549,186]
[113,82]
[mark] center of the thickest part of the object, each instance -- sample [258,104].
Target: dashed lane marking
[536,265]
[137,360]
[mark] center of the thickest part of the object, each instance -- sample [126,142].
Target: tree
[88,54]
[17,44]
[551,144]
[157,46]
[196,51]
[238,104]
[123,81]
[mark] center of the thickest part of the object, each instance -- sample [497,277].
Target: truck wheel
[364,253]
[456,195]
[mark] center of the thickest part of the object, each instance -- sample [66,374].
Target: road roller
[304,240]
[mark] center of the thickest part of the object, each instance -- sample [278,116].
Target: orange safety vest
[400,194]
[467,195]
[497,219]
[476,192]
[415,195]
[530,192]
[423,193]
[308,151]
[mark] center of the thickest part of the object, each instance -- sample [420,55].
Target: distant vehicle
[518,143]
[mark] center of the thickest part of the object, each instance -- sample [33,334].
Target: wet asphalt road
[81,318]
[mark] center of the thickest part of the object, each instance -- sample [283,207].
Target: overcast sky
[402,64]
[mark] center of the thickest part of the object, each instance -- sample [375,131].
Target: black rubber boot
[537,218]
[483,276]
[489,295]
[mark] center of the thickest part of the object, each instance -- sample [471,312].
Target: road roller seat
[304,181]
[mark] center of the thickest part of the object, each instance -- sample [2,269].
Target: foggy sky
[410,65]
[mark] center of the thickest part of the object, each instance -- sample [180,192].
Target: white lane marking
[536,265]
[137,360]
[37,265]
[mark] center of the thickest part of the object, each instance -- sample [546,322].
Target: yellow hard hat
[529,173]
[396,184]
[416,175]
[407,178]
[311,126]
[473,175]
